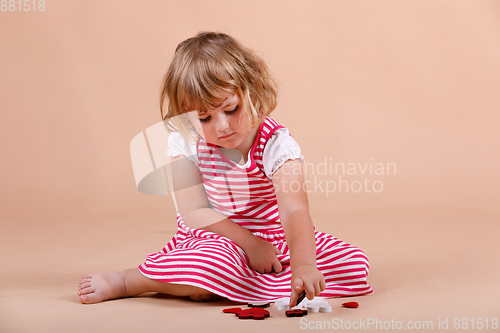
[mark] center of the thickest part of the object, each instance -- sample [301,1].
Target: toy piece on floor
[317,304]
[252,313]
[283,303]
[350,304]
[301,297]
[295,313]
[258,305]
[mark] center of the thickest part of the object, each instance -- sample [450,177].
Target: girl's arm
[195,210]
[299,231]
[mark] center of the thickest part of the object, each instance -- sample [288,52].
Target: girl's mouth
[226,136]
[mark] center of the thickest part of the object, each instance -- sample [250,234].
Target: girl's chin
[227,146]
[230,144]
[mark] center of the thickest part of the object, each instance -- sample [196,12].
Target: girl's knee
[363,259]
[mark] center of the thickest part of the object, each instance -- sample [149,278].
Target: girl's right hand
[262,255]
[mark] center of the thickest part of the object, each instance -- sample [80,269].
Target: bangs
[203,84]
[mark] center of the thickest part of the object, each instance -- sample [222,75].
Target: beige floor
[421,270]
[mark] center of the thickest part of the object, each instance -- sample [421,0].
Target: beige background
[413,83]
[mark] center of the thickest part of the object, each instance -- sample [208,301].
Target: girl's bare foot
[98,287]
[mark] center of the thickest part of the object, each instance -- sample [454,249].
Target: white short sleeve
[280,148]
[177,145]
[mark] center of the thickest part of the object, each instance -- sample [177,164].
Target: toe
[84,285]
[87,299]
[83,279]
[87,290]
[90,298]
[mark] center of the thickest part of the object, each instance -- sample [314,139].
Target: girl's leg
[98,287]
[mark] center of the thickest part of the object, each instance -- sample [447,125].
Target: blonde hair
[208,65]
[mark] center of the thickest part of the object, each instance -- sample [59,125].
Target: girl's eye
[233,110]
[204,120]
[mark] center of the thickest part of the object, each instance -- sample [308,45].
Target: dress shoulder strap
[269,127]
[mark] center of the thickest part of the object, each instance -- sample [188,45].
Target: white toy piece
[282,303]
[317,304]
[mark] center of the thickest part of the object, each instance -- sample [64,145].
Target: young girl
[244,232]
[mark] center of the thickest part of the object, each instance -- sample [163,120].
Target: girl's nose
[221,123]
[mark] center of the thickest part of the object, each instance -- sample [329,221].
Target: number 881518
[22,5]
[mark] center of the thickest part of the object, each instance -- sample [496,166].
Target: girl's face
[225,126]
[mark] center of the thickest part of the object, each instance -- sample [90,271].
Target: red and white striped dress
[246,196]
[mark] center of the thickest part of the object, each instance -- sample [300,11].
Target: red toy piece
[351,304]
[253,313]
[258,317]
[244,315]
[301,297]
[232,310]
[295,313]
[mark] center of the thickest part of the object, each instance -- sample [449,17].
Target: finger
[293,298]
[277,266]
[297,287]
[322,284]
[277,251]
[309,288]
[317,289]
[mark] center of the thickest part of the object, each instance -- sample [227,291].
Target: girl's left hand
[308,278]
